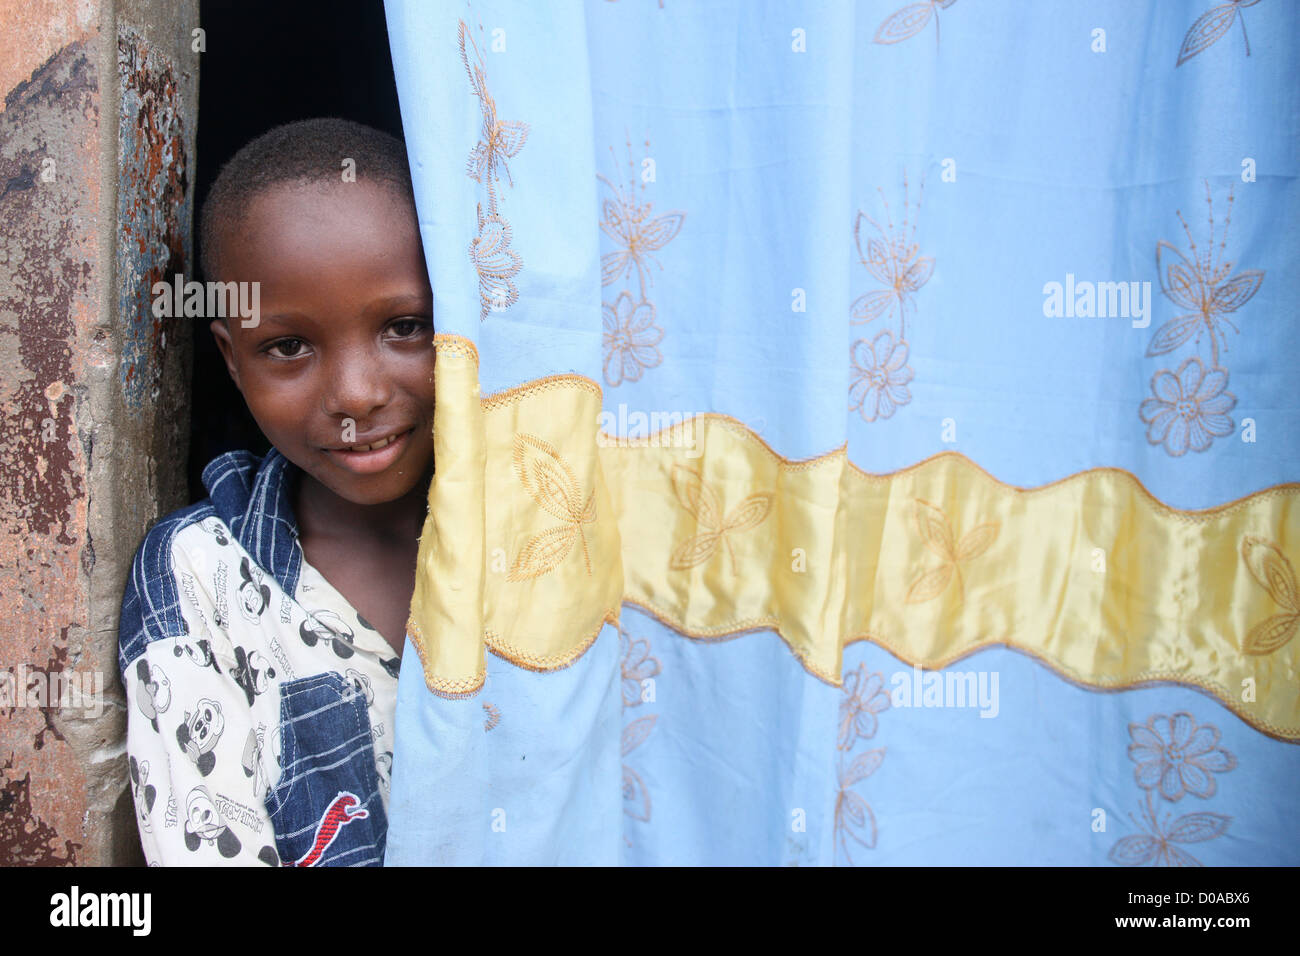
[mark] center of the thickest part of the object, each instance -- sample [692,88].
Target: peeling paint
[46,272]
[53,665]
[93,392]
[46,295]
[153,217]
[28,840]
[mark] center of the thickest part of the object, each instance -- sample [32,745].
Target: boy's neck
[322,513]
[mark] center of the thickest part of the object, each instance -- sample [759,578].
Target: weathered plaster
[152,214]
[96,149]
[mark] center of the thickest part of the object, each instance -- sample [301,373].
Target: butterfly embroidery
[489,251]
[703,502]
[1273,572]
[637,235]
[896,263]
[1203,284]
[551,483]
[499,139]
[937,535]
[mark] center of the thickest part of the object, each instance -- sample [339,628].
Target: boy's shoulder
[247,503]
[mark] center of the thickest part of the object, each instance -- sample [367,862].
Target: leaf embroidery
[552,484]
[635,733]
[702,502]
[636,798]
[863,766]
[638,666]
[937,535]
[1270,567]
[911,20]
[854,822]
[1211,25]
[496,263]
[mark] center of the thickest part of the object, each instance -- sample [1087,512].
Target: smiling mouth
[375,445]
[372,457]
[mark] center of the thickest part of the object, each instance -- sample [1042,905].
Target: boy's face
[342,357]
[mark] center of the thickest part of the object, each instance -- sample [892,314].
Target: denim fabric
[326,756]
[253,498]
[221,619]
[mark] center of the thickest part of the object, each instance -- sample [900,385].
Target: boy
[262,627]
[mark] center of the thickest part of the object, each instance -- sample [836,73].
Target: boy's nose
[356,387]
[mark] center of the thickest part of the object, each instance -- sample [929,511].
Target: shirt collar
[254,497]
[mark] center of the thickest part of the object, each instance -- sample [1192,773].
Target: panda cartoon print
[199,734]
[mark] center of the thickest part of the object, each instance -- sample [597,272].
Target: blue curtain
[1049,238]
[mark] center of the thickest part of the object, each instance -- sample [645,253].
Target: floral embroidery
[638,667]
[881,374]
[1174,757]
[500,140]
[703,502]
[551,483]
[1184,763]
[1190,408]
[937,535]
[880,377]
[1270,567]
[855,822]
[1211,25]
[861,703]
[492,718]
[631,335]
[911,20]
[630,339]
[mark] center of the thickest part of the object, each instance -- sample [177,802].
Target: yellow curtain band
[541,525]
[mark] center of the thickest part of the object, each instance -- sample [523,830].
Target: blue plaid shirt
[261,703]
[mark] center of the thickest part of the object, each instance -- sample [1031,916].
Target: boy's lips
[377,455]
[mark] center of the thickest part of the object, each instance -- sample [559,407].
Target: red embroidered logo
[342,810]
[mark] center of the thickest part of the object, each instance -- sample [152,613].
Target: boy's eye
[286,348]
[406,328]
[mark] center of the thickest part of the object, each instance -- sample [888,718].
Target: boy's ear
[221,332]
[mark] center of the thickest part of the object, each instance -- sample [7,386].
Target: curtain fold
[863,434]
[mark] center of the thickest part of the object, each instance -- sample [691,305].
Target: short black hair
[306,151]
